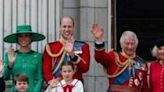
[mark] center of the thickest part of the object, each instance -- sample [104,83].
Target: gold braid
[48,49]
[120,64]
[60,62]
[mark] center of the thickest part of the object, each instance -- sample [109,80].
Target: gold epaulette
[118,62]
[48,49]
[116,74]
[60,62]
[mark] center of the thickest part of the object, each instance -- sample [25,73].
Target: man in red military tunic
[125,70]
[63,50]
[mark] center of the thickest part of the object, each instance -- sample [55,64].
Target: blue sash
[77,50]
[127,74]
[58,72]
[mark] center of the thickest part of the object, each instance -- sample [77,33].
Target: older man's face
[129,45]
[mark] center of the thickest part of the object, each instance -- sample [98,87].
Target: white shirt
[78,86]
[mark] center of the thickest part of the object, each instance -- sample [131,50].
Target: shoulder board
[57,52]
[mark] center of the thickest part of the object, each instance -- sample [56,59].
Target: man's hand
[97,32]
[69,46]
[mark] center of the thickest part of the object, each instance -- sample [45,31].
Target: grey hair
[154,51]
[128,33]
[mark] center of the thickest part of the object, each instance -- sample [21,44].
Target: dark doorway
[145,18]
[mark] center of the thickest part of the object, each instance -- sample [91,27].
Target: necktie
[68,88]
